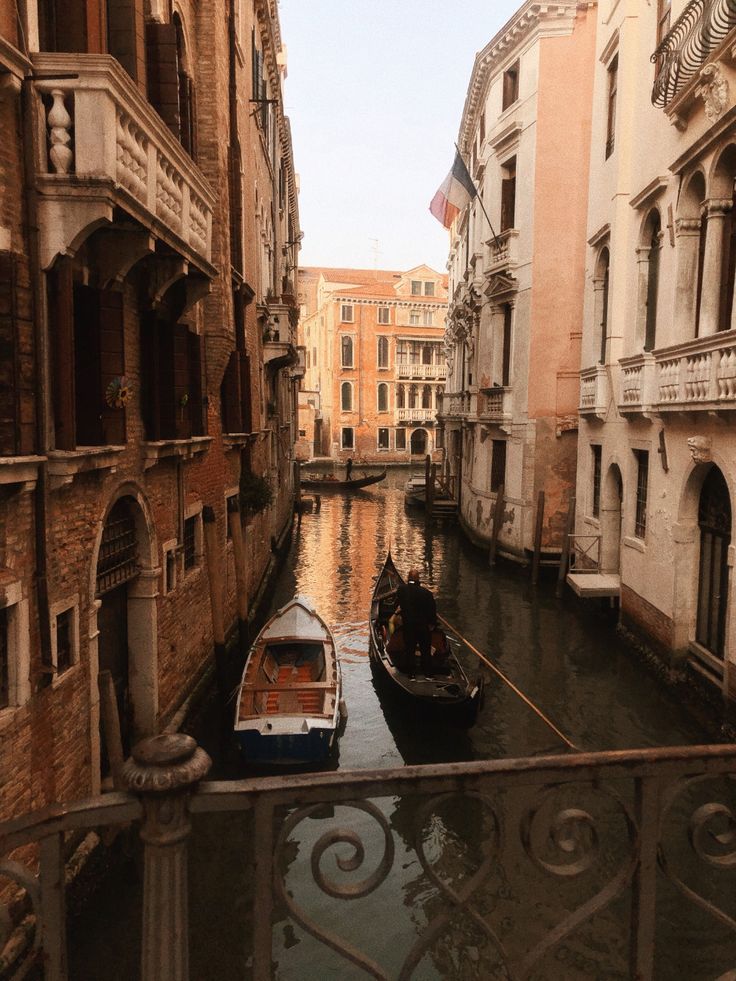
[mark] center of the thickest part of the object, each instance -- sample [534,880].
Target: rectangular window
[346,313]
[510,86]
[416,287]
[596,508]
[384,315]
[642,478]
[383,352]
[508,195]
[506,349]
[498,464]
[383,443]
[346,347]
[429,289]
[65,644]
[347,438]
[400,439]
[664,14]
[428,318]
[170,569]
[190,542]
[612,89]
[414,318]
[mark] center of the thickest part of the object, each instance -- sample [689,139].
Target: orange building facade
[375,363]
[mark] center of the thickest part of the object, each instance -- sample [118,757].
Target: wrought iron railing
[575,866]
[584,553]
[695,35]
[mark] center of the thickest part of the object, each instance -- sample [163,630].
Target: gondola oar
[512,686]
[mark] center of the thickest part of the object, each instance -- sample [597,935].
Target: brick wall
[646,620]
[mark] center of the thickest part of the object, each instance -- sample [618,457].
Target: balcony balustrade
[108,148]
[638,384]
[415,415]
[698,375]
[594,391]
[455,405]
[429,372]
[503,251]
[700,30]
[599,855]
[494,405]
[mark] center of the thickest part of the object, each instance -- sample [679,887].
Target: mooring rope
[512,686]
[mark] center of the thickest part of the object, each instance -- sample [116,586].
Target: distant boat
[289,700]
[449,695]
[312,482]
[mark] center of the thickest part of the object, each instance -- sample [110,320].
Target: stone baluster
[59,123]
[163,771]
[711,294]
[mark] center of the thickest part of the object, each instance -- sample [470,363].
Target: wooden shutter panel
[195,403]
[165,379]
[61,317]
[182,393]
[8,358]
[150,388]
[112,362]
[230,395]
[508,203]
[162,74]
[88,399]
[245,408]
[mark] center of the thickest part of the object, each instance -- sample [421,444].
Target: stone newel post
[163,771]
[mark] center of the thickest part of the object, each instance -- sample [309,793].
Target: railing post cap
[160,764]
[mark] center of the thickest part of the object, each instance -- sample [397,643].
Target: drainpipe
[31,152]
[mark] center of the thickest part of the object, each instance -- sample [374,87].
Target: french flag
[457,191]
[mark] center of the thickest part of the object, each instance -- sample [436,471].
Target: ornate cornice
[535,19]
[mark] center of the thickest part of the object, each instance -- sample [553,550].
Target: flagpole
[480,199]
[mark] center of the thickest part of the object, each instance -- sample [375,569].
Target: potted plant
[256,493]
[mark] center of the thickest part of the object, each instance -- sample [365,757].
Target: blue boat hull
[314,746]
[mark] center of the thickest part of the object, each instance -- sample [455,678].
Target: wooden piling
[111,726]
[214,580]
[298,487]
[538,538]
[241,580]
[429,492]
[565,553]
[497,522]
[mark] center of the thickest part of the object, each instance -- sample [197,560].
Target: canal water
[565,656]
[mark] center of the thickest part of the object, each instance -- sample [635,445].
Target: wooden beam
[497,522]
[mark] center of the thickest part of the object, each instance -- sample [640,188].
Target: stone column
[710,300]
[642,293]
[163,771]
[687,231]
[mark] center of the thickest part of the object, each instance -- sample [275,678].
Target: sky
[375,92]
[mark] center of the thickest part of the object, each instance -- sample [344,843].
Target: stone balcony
[108,148]
[427,372]
[699,375]
[594,392]
[494,405]
[454,405]
[415,415]
[638,384]
[503,251]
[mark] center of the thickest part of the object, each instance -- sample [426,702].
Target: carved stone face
[700,449]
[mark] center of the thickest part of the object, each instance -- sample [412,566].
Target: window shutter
[112,362]
[508,203]
[61,311]
[182,394]
[245,408]
[197,414]
[187,113]
[162,65]
[164,382]
[88,400]
[9,366]
[230,395]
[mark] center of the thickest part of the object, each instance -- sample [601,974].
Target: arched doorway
[123,621]
[714,521]
[419,442]
[610,519]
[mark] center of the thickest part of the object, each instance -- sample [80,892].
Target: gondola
[334,483]
[289,702]
[449,695]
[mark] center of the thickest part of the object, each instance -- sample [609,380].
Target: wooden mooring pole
[111,726]
[565,553]
[497,522]
[538,538]
[241,580]
[214,580]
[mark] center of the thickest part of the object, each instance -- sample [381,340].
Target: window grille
[596,480]
[64,640]
[642,477]
[190,542]
[118,561]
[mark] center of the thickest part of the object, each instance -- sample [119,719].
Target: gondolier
[349,468]
[418,616]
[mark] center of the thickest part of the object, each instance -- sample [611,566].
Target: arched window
[714,518]
[412,396]
[383,352]
[652,240]
[400,397]
[427,397]
[186,91]
[346,397]
[601,304]
[347,351]
[427,354]
[383,397]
